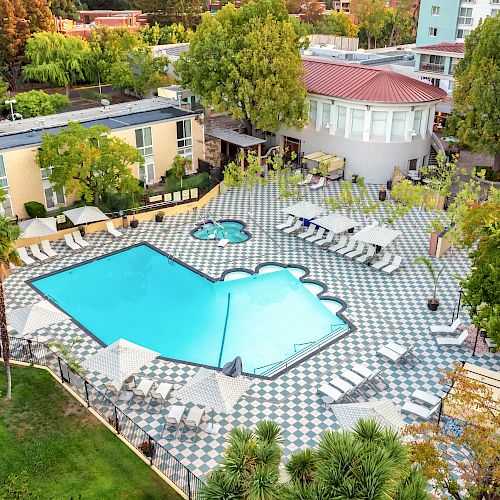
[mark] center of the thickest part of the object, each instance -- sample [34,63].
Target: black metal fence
[38,353]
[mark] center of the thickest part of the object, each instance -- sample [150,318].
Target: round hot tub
[232,230]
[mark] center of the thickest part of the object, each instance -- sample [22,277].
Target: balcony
[431,67]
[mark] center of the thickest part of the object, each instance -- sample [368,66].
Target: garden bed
[62,450]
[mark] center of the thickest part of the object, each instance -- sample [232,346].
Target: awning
[36,228]
[304,210]
[336,223]
[380,236]
[233,137]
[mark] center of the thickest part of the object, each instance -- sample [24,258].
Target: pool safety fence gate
[38,353]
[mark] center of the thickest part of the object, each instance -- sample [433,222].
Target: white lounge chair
[334,394]
[422,411]
[23,255]
[142,390]
[342,385]
[395,352]
[396,264]
[349,248]
[318,185]
[426,397]
[160,393]
[490,343]
[308,232]
[318,236]
[340,244]
[384,261]
[114,386]
[453,340]
[111,229]
[307,180]
[79,240]
[327,240]
[368,255]
[401,349]
[68,239]
[295,227]
[48,249]
[445,328]
[223,242]
[287,223]
[369,374]
[357,252]
[192,421]
[35,250]
[353,378]
[173,418]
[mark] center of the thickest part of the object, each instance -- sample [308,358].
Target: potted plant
[159,216]
[134,223]
[433,302]
[382,194]
[147,448]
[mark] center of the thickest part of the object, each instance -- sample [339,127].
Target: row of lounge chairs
[308,181]
[450,331]
[398,353]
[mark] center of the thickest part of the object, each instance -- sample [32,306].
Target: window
[433,31]
[412,164]
[465,16]
[327,107]
[147,172]
[461,33]
[495,1]
[398,123]
[494,12]
[144,141]
[313,111]
[53,197]
[185,139]
[6,204]
[417,121]
[358,121]
[379,121]
[3,174]
[435,10]
[341,117]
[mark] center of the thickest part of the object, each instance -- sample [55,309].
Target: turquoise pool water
[231,230]
[141,295]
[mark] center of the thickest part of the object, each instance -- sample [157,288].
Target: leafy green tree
[166,12]
[370,15]
[281,172]
[246,61]
[338,24]
[39,15]
[9,233]
[56,59]
[89,162]
[38,103]
[64,9]
[348,199]
[140,72]
[4,86]
[150,34]
[179,168]
[476,114]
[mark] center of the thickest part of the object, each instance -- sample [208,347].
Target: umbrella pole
[212,427]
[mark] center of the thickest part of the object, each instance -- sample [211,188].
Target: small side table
[327,401]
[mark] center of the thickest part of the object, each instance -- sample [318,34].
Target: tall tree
[293,6]
[39,15]
[247,61]
[89,162]
[476,114]
[311,11]
[370,15]
[338,24]
[56,59]
[14,34]
[65,9]
[8,236]
[165,12]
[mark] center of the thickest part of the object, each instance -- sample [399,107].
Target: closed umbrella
[85,215]
[29,319]
[120,359]
[38,227]
[383,411]
[213,389]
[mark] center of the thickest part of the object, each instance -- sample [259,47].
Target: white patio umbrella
[85,215]
[379,235]
[32,318]
[304,209]
[213,390]
[38,227]
[383,411]
[120,359]
[336,223]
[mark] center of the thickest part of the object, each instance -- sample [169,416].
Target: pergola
[335,163]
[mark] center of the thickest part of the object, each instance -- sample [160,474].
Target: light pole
[11,102]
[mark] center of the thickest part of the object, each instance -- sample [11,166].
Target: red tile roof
[362,83]
[458,48]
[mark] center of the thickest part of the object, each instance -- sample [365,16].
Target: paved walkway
[383,308]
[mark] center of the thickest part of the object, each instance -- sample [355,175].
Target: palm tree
[8,235]
[250,467]
[433,273]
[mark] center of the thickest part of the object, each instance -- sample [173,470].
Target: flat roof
[233,137]
[29,132]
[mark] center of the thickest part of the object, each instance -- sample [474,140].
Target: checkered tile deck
[382,307]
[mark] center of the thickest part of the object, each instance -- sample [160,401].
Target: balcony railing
[435,68]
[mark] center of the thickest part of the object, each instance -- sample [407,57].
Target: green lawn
[66,452]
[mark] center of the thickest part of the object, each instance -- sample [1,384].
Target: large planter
[433,304]
[134,223]
[158,218]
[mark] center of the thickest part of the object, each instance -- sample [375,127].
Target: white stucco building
[376,119]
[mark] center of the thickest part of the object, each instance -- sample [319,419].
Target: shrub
[38,103]
[93,95]
[200,181]
[35,209]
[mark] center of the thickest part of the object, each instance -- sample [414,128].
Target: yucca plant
[433,302]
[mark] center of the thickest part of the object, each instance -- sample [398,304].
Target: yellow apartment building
[156,127]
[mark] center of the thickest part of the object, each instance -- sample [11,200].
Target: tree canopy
[165,12]
[65,9]
[476,96]
[89,162]
[338,24]
[38,103]
[311,11]
[247,61]
[370,15]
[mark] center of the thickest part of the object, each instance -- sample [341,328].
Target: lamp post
[11,102]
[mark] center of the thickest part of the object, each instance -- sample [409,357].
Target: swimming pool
[231,229]
[143,296]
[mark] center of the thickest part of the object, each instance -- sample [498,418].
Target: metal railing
[273,368]
[38,353]
[432,67]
